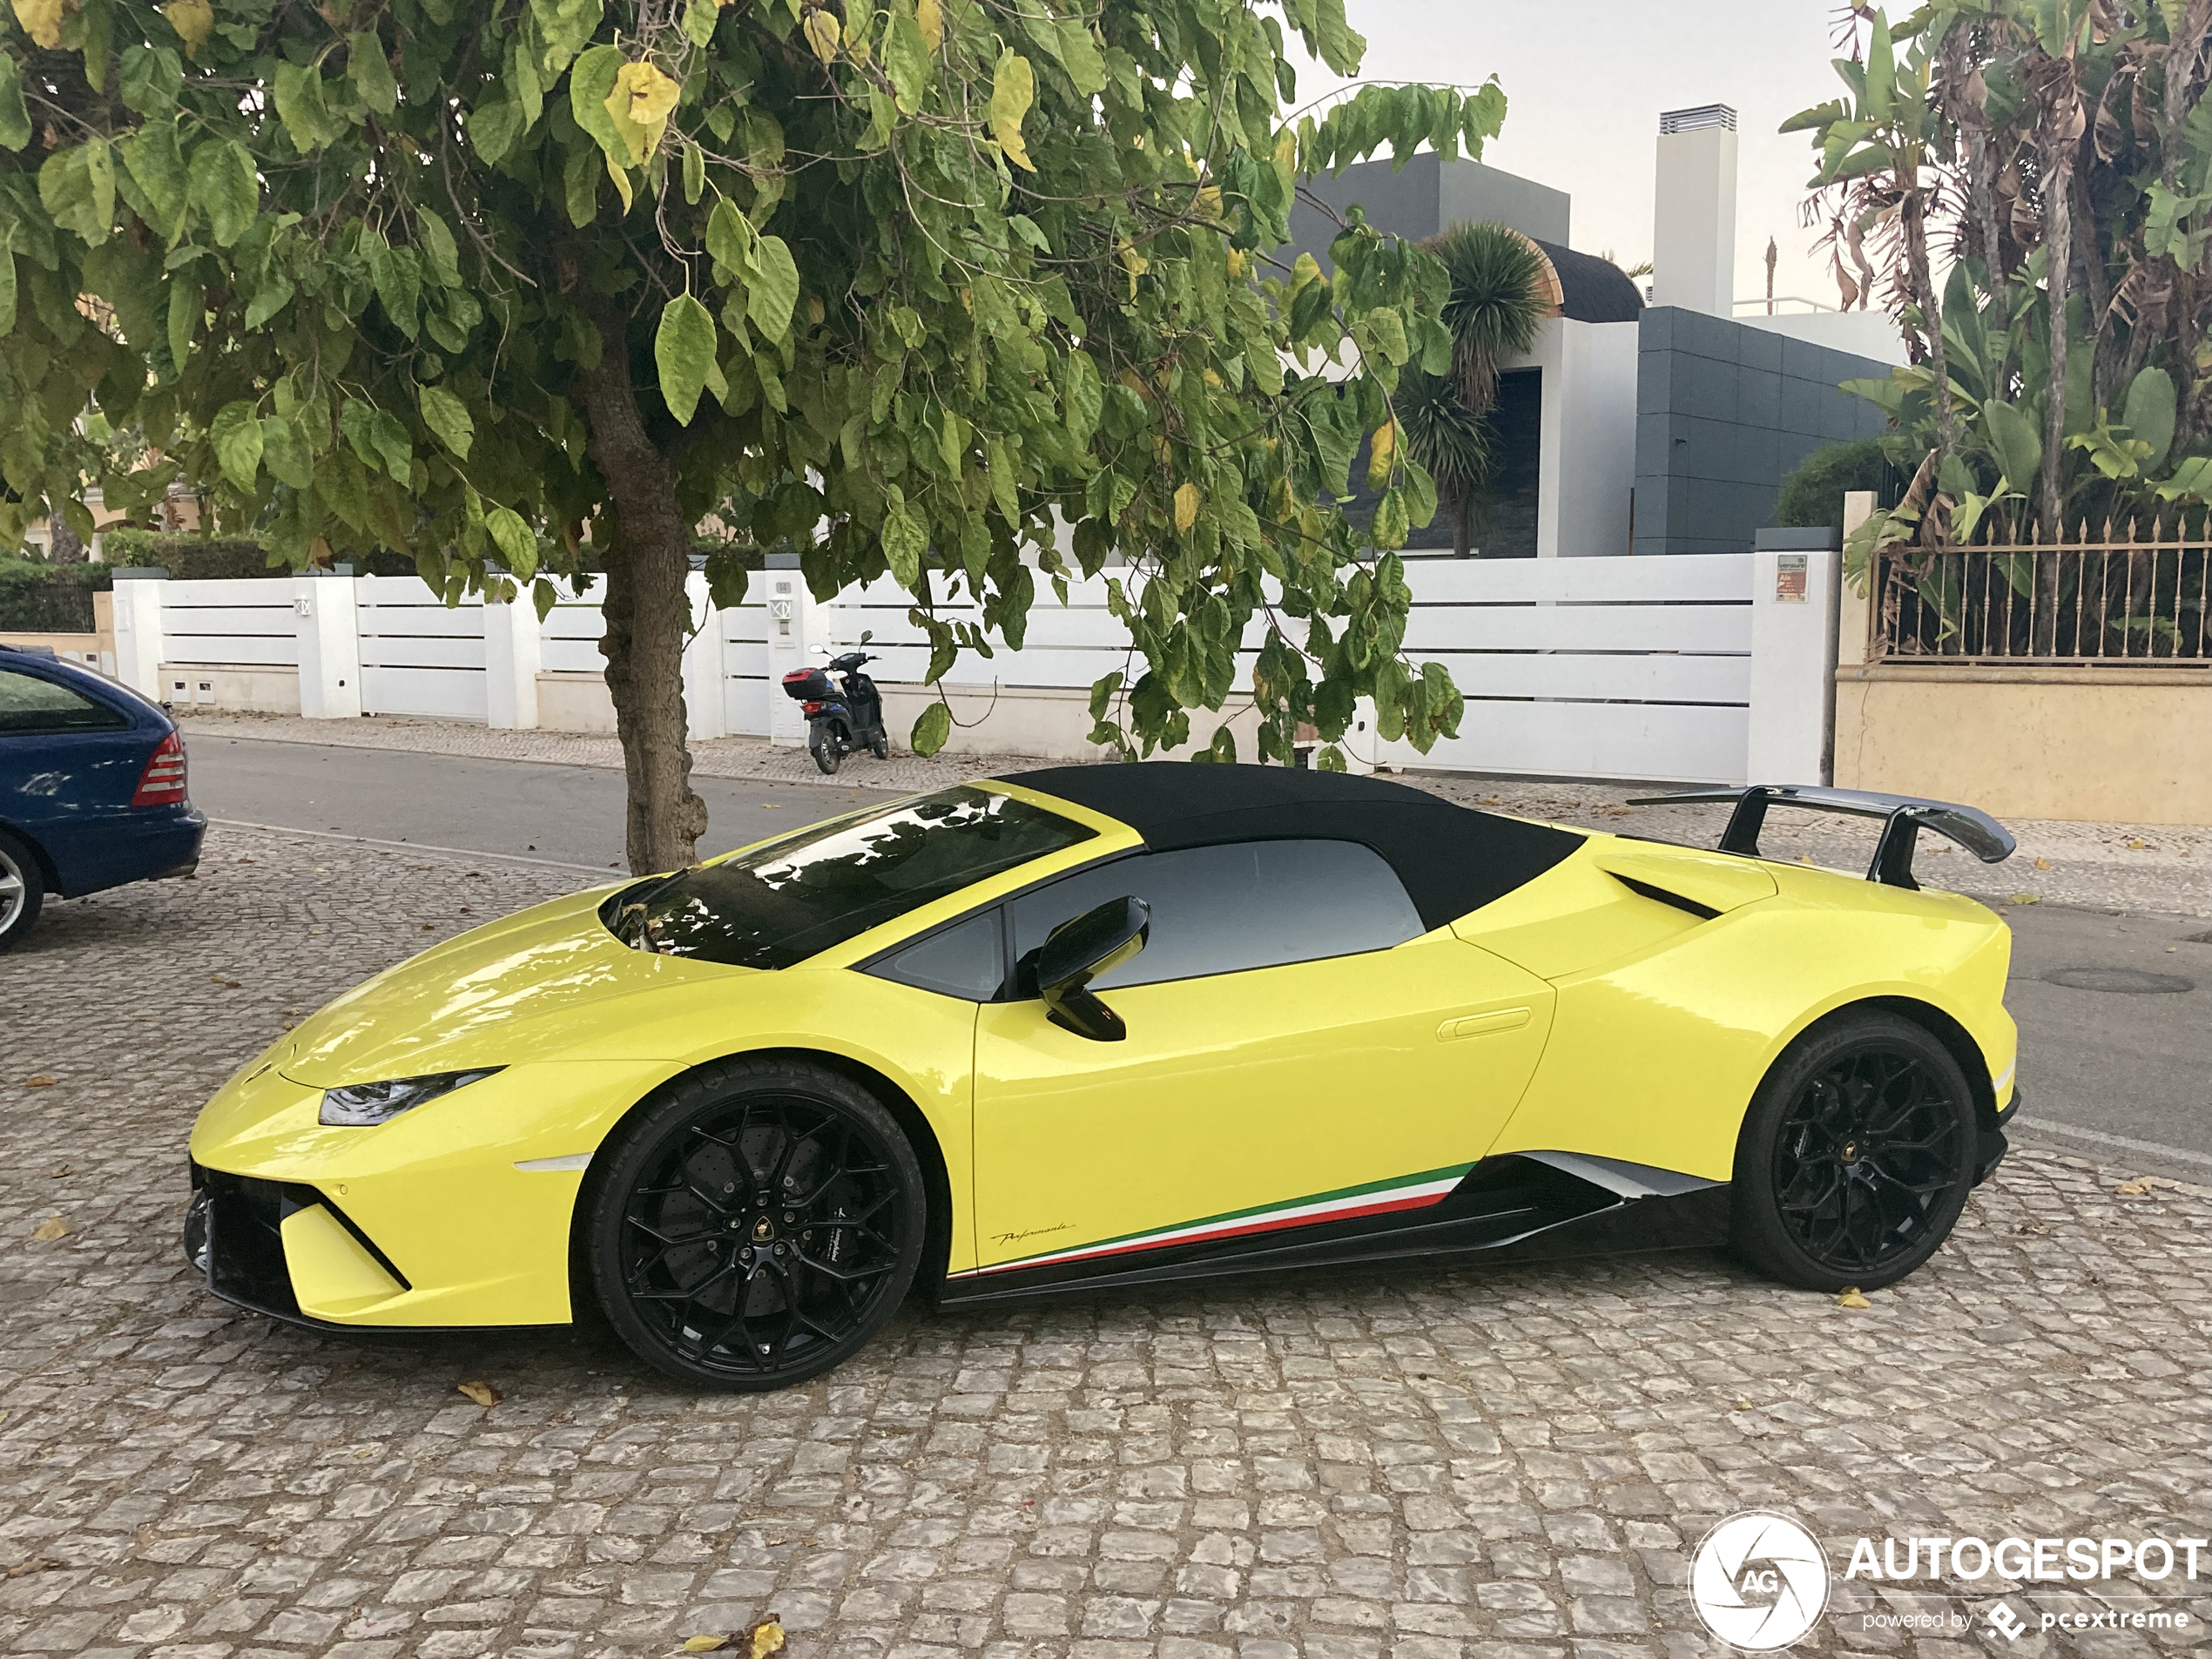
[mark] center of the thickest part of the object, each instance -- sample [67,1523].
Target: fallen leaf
[764,1638]
[35,1564]
[59,1173]
[704,1644]
[41,1081]
[1852,1299]
[2136,1187]
[2043,864]
[51,1229]
[482,1392]
[2136,844]
[429,928]
[2027,898]
[1742,1405]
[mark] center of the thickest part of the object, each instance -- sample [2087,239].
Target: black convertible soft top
[1451,859]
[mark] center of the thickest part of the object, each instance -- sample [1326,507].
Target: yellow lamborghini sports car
[1113,1024]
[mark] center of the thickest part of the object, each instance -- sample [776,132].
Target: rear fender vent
[1646,890]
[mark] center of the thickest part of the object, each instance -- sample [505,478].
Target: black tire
[23,890]
[879,747]
[673,1234]
[828,753]
[1856,1156]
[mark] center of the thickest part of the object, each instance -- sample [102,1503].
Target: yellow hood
[498,995]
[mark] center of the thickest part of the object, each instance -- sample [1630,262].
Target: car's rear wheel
[756,1225]
[23,889]
[1856,1156]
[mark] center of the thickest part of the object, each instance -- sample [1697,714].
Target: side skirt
[1520,1207]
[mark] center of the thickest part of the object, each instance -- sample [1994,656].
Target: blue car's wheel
[23,889]
[756,1225]
[1856,1156]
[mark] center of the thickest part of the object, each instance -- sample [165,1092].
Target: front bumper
[1993,1145]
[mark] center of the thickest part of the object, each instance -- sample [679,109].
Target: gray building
[1724,411]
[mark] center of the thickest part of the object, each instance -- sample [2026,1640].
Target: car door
[1299,1047]
[68,762]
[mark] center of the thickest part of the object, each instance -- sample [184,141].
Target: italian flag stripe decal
[1345,1203]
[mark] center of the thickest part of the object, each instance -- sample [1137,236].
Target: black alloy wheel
[23,889]
[1856,1157]
[757,1225]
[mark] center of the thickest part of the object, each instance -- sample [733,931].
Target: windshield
[783,902]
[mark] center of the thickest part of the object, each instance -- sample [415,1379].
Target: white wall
[1870,333]
[1588,436]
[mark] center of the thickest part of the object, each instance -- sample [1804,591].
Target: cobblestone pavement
[2153,868]
[1413,1463]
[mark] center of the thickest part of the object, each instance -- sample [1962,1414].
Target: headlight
[365,1104]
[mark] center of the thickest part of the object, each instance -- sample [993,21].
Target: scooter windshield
[781,903]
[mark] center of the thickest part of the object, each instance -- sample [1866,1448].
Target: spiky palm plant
[1498,300]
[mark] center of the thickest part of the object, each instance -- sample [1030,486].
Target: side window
[966,960]
[29,703]
[1224,909]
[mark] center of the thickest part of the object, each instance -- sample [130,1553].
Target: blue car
[92,789]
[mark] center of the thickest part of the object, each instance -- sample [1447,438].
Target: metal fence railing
[2141,595]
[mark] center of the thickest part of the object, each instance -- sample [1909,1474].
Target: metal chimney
[1693,232]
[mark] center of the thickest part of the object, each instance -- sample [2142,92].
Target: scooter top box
[808,685]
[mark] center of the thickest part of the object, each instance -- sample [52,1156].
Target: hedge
[36,597]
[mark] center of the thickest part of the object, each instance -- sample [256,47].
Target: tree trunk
[63,545]
[1931,303]
[2060,136]
[646,610]
[1462,526]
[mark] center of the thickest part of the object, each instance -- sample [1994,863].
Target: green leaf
[1084,399]
[274,294]
[297,88]
[694,174]
[398,275]
[684,351]
[1881,72]
[391,445]
[906,60]
[371,72]
[904,540]
[77,188]
[15,118]
[157,165]
[285,452]
[931,727]
[2150,413]
[236,434]
[590,84]
[225,187]
[494,125]
[2018,446]
[729,238]
[511,536]
[448,418]
[441,258]
[566,27]
[187,300]
[699,18]
[1079,56]
[772,287]
[152,77]
[7,281]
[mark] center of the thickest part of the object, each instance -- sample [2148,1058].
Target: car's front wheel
[756,1225]
[1856,1156]
[23,890]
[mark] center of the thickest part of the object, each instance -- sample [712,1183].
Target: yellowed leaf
[823,33]
[620,174]
[1380,455]
[1236,262]
[2043,864]
[704,1644]
[640,104]
[51,1229]
[1014,88]
[764,1638]
[482,1392]
[193,20]
[2027,898]
[1852,1299]
[1742,1405]
[1186,506]
[2136,1187]
[2136,844]
[42,21]
[41,1081]
[931,18]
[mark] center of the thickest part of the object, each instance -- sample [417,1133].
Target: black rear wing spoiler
[1904,817]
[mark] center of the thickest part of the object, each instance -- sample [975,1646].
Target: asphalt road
[565,814]
[2116,1010]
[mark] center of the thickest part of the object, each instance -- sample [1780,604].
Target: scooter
[840,718]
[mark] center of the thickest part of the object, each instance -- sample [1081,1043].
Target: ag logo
[1759,1581]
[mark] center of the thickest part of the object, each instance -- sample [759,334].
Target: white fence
[1709,668]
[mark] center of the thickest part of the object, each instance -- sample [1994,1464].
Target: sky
[1585,81]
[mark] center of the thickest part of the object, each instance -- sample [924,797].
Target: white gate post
[791,629]
[328,630]
[705,704]
[513,652]
[137,634]
[1793,666]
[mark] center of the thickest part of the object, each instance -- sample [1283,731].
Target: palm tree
[1499,297]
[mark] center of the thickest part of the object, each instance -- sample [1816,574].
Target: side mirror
[1079,950]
